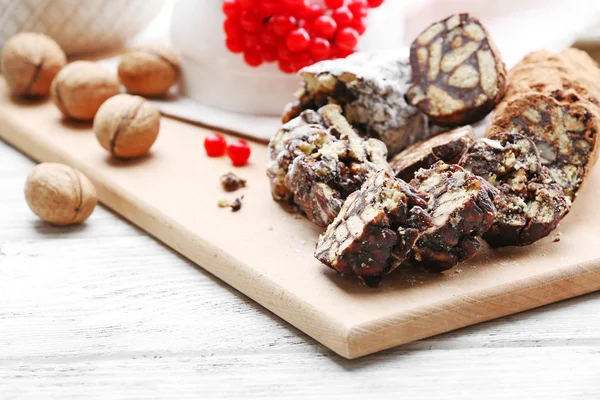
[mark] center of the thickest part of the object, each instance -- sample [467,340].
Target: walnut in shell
[461,207]
[59,194]
[127,126]
[458,75]
[29,63]
[448,147]
[81,87]
[375,229]
[149,70]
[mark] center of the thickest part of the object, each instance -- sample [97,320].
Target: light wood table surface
[103,311]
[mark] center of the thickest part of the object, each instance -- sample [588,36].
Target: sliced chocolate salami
[375,229]
[529,204]
[461,208]
[370,88]
[448,147]
[457,72]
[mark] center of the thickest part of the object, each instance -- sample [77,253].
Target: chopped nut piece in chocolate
[529,204]
[375,229]
[231,182]
[370,88]
[564,133]
[448,147]
[461,207]
[458,75]
[322,164]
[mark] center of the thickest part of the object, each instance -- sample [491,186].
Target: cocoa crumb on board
[231,182]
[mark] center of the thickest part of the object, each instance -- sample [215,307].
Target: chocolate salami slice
[529,204]
[322,164]
[461,208]
[375,230]
[458,75]
[370,88]
[448,147]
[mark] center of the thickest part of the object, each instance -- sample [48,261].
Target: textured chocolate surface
[448,147]
[458,75]
[461,208]
[529,204]
[375,230]
[370,88]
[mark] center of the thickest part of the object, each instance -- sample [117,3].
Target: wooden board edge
[486,305]
[323,328]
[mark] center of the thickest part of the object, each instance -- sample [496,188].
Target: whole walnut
[29,62]
[149,70]
[81,87]
[60,194]
[127,126]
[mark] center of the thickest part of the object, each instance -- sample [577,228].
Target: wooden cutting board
[266,253]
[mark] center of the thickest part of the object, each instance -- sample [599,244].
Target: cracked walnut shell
[29,62]
[127,126]
[149,70]
[81,87]
[59,194]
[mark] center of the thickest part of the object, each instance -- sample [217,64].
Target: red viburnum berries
[294,33]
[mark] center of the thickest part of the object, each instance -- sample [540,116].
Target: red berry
[269,54]
[375,3]
[232,29]
[357,7]
[269,7]
[215,145]
[298,40]
[347,38]
[301,60]
[267,37]
[320,48]
[359,25]
[283,54]
[313,11]
[342,16]
[234,45]
[286,67]
[253,58]
[282,24]
[231,8]
[325,26]
[239,153]
[250,21]
[247,4]
[333,4]
[251,41]
[296,7]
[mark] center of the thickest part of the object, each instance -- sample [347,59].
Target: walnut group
[378,150]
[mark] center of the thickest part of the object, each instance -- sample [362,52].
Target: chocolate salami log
[553,99]
[370,89]
[317,160]
[458,75]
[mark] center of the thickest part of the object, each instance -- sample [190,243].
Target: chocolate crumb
[237,204]
[231,182]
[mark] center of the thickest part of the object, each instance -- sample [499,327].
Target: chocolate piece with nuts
[448,147]
[461,207]
[323,164]
[370,88]
[375,230]
[231,182]
[457,72]
[529,204]
[564,133]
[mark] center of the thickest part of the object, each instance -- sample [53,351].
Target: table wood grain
[102,311]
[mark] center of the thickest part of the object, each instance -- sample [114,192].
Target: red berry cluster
[294,33]
[238,151]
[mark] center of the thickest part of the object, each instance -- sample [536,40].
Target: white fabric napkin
[517,26]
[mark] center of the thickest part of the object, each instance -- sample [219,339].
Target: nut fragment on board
[235,205]
[375,229]
[529,204]
[149,70]
[81,87]
[461,208]
[231,182]
[29,62]
[315,167]
[59,194]
[448,147]
[127,126]
[370,89]
[458,75]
